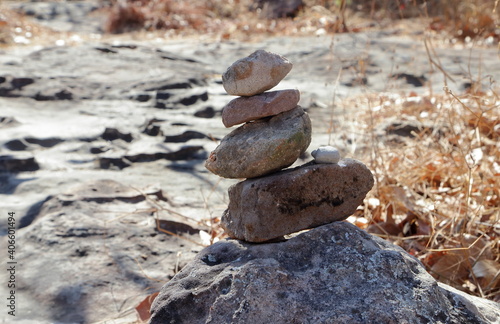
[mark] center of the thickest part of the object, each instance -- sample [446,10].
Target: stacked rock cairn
[273,202]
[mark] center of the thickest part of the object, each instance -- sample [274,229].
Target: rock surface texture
[335,273]
[80,259]
[258,72]
[263,146]
[291,200]
[244,109]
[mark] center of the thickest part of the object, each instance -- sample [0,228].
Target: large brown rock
[292,200]
[263,146]
[256,73]
[332,274]
[244,109]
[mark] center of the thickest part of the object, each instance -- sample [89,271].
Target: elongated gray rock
[326,154]
[292,200]
[262,147]
[244,109]
[335,274]
[256,73]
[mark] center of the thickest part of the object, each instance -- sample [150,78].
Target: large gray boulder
[335,273]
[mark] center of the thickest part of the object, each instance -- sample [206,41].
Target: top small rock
[256,73]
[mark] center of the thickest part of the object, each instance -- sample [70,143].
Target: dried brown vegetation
[12,26]
[437,192]
[239,18]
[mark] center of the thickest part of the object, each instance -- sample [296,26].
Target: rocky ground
[99,138]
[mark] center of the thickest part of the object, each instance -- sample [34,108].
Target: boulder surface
[262,147]
[335,273]
[292,200]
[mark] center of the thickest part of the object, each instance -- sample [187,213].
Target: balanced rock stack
[273,202]
[276,132]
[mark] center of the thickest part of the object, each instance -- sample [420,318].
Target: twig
[437,65]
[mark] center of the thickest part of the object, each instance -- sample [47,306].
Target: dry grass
[14,28]
[213,18]
[437,191]
[237,18]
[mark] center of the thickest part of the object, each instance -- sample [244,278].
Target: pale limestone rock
[256,73]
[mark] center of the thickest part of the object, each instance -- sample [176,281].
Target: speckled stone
[263,146]
[292,200]
[244,109]
[335,273]
[256,73]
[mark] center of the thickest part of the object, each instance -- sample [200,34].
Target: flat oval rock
[295,199]
[326,154]
[256,73]
[244,109]
[262,147]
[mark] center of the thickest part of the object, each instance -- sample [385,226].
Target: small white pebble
[326,154]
